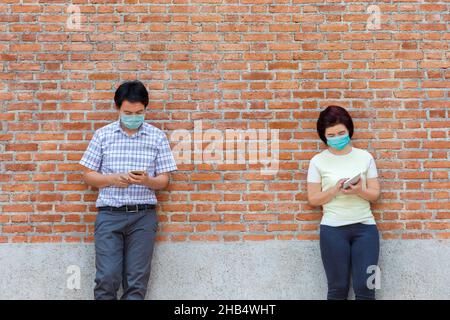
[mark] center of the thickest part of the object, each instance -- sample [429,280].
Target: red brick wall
[250,64]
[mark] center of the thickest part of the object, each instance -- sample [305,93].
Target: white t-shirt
[327,168]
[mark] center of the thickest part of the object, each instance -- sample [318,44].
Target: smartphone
[137,172]
[351,181]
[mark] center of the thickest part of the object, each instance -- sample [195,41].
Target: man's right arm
[91,163]
[99,180]
[96,179]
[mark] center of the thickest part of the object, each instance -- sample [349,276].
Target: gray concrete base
[410,269]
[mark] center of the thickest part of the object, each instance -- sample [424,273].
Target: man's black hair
[132,91]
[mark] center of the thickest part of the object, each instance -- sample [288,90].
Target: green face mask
[338,142]
[132,121]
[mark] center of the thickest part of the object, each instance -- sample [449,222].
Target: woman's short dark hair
[332,116]
[132,91]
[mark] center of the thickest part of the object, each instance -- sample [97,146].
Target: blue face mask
[132,121]
[338,142]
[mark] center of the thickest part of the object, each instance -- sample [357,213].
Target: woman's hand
[353,188]
[338,186]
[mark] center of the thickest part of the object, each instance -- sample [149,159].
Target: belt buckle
[135,205]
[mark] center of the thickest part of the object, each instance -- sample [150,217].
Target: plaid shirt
[111,150]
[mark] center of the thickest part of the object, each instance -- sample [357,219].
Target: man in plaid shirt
[127,161]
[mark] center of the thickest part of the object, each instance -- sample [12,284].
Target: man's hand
[141,179]
[119,180]
[155,183]
[353,189]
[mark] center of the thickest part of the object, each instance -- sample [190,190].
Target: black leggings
[349,251]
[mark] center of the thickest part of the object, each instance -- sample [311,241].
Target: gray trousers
[123,251]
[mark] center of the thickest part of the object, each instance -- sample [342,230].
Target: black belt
[129,207]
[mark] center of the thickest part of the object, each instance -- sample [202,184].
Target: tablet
[351,181]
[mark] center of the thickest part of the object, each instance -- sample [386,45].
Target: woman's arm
[370,193]
[317,197]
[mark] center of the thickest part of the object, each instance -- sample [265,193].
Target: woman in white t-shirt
[349,239]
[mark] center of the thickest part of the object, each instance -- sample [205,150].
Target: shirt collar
[117,127]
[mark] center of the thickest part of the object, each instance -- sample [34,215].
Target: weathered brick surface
[252,64]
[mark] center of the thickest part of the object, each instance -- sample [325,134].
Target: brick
[274,71]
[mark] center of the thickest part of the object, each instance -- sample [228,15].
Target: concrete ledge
[411,269]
